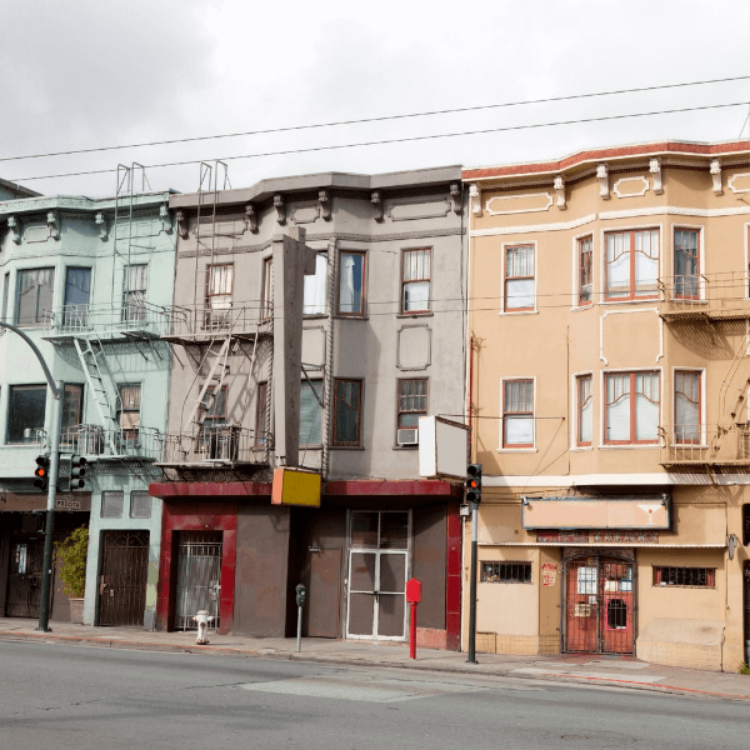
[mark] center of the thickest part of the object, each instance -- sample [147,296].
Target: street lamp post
[58,388]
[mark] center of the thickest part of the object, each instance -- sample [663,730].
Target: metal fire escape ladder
[735,382]
[220,360]
[91,363]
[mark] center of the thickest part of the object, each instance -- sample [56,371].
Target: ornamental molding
[623,181]
[629,312]
[559,185]
[251,219]
[733,179]
[715,170]
[475,199]
[501,199]
[166,219]
[14,226]
[527,228]
[182,225]
[456,198]
[278,204]
[101,222]
[324,197]
[602,174]
[377,203]
[674,211]
[654,167]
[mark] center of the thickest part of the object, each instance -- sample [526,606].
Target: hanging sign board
[443,448]
[294,487]
[596,513]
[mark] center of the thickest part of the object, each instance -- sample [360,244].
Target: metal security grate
[667,576]
[198,577]
[506,572]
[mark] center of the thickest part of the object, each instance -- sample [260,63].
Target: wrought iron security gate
[25,577]
[599,604]
[198,577]
[124,573]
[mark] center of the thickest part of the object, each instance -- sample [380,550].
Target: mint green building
[91,281]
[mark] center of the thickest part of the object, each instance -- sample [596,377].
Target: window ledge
[14,446]
[629,447]
[520,312]
[405,447]
[426,314]
[517,450]
[578,308]
[581,448]
[338,316]
[314,316]
[311,447]
[647,301]
[347,447]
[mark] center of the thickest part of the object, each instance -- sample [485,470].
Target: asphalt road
[57,696]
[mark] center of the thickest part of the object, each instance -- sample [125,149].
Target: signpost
[413,596]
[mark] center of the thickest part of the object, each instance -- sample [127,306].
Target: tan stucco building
[608,382]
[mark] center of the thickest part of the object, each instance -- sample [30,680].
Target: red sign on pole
[413,596]
[413,590]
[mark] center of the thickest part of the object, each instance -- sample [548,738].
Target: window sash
[267,302]
[585,405]
[585,271]
[416,274]
[310,413]
[316,288]
[27,406]
[72,406]
[412,402]
[686,264]
[518,414]
[134,293]
[519,278]
[129,410]
[77,296]
[261,410]
[347,407]
[687,407]
[632,265]
[633,402]
[351,284]
[34,295]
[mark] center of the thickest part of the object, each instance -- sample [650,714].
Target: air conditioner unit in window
[408,437]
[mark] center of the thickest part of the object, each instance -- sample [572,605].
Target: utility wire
[410,139]
[384,118]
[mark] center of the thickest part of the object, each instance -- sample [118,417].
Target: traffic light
[42,473]
[474,483]
[77,472]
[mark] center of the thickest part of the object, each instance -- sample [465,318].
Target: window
[686,268]
[316,288]
[77,295]
[664,576]
[6,295]
[518,414]
[632,407]
[746,524]
[214,407]
[415,281]
[261,411]
[140,504]
[72,406]
[379,529]
[34,295]
[112,504]
[347,412]
[585,276]
[412,403]
[219,284]
[687,407]
[267,301]
[352,284]
[585,410]
[310,412]
[26,411]
[506,572]
[632,265]
[129,411]
[134,294]
[519,278]
[617,614]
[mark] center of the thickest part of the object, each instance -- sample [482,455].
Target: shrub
[71,553]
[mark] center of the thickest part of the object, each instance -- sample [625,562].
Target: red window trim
[530,414]
[507,278]
[676,229]
[580,241]
[579,379]
[633,296]
[632,374]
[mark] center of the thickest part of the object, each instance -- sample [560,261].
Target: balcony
[137,320]
[707,297]
[704,445]
[216,445]
[98,444]
[198,323]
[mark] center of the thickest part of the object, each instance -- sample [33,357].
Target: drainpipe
[325,458]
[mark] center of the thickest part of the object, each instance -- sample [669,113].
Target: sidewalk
[597,669]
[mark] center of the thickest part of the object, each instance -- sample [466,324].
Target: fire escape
[712,305]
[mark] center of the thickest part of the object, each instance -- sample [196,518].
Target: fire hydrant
[203,619]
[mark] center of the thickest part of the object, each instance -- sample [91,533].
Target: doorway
[198,577]
[123,578]
[25,577]
[599,603]
[378,570]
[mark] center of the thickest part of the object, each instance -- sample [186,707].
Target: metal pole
[299,628]
[54,470]
[473,588]
[413,632]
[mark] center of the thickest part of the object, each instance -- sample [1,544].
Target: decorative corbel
[325,204]
[456,198]
[378,204]
[251,218]
[559,185]
[715,170]
[602,174]
[278,204]
[182,225]
[475,195]
[101,222]
[53,222]
[14,225]
[166,219]
[654,166]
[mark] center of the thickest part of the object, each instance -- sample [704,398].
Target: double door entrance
[598,603]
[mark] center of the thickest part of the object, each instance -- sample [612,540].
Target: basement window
[506,572]
[699,577]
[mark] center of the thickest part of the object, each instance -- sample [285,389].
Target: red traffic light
[42,473]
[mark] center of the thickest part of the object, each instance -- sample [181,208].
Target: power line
[384,118]
[410,139]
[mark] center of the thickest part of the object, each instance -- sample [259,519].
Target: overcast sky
[89,73]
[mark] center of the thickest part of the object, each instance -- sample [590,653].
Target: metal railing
[128,318]
[94,441]
[701,444]
[214,444]
[211,320]
[719,296]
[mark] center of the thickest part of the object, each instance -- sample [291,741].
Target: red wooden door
[580,607]
[616,606]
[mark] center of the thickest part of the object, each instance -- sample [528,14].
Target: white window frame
[574,304]
[701,256]
[503,258]
[574,403]
[702,415]
[526,449]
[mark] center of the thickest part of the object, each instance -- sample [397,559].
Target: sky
[84,74]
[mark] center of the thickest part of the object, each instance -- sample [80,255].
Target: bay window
[687,406]
[632,265]
[632,408]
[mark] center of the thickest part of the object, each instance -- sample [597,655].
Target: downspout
[269,382]
[325,458]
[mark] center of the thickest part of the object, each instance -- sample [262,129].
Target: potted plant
[71,554]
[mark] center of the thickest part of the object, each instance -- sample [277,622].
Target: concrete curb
[209,650]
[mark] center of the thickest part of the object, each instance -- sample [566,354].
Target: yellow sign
[294,487]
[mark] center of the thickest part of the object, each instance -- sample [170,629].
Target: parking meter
[301,592]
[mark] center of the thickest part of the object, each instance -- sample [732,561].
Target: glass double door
[377,594]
